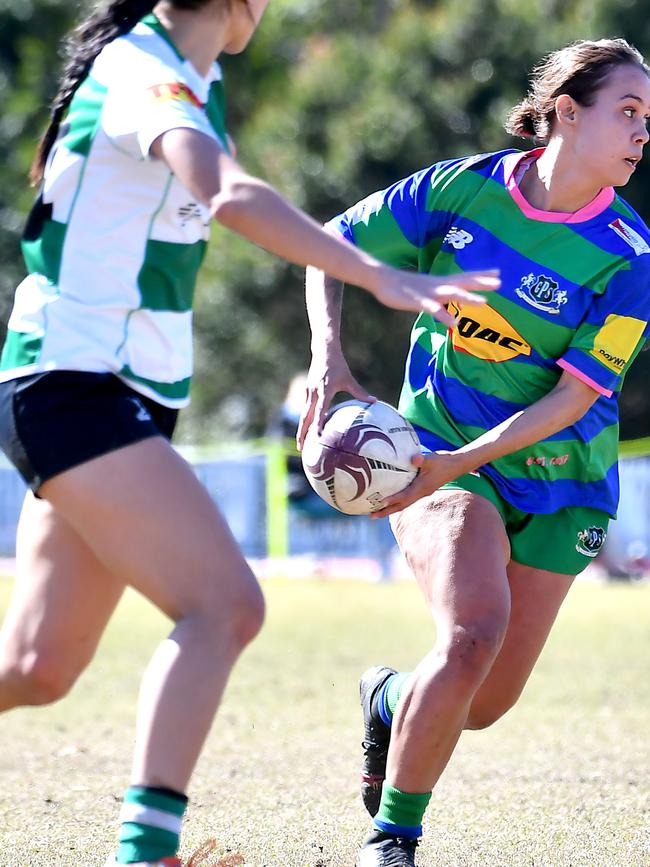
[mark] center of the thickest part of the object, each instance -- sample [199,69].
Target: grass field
[562,781]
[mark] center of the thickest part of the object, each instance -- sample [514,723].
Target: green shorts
[565,541]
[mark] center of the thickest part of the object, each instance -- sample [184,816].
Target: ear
[565,109]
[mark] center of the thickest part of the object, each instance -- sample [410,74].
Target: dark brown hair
[81,47]
[579,70]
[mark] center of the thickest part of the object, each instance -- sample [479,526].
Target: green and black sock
[151,824]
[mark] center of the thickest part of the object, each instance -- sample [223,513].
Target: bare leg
[62,600]
[147,520]
[536,599]
[456,545]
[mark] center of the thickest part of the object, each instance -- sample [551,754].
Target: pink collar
[513,162]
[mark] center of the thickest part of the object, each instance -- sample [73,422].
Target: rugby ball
[363,455]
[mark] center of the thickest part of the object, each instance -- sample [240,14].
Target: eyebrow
[632,96]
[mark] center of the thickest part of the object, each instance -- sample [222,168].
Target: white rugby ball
[363,455]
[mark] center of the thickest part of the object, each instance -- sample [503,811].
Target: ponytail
[524,120]
[81,48]
[579,70]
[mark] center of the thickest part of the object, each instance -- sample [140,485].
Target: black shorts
[51,422]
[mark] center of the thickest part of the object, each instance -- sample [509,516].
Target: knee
[472,647]
[249,614]
[39,678]
[240,619]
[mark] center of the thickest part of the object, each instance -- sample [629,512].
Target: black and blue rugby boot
[376,736]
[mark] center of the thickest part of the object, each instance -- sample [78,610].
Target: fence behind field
[250,489]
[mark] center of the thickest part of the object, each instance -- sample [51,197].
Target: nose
[642,135]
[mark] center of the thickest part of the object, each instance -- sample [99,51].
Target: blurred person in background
[515,405]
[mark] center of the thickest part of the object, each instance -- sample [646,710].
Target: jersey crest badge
[631,238]
[590,541]
[458,238]
[542,293]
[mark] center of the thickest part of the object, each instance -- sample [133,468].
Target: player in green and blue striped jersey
[98,358]
[516,404]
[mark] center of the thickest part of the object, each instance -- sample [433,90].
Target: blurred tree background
[331,101]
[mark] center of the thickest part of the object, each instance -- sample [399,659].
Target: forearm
[324,300]
[563,406]
[252,208]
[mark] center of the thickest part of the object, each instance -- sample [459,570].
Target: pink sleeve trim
[583,376]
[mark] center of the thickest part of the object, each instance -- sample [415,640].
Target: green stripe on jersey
[43,255]
[168,275]
[20,349]
[385,242]
[171,390]
[83,117]
[151,20]
[216,111]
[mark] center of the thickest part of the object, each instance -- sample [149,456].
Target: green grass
[562,781]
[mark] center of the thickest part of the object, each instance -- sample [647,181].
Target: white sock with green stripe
[151,824]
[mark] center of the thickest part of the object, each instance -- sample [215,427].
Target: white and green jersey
[114,241]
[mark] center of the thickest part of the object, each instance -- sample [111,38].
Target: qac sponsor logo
[542,293]
[485,333]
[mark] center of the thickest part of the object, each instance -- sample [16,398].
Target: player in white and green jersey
[98,357]
[115,240]
[516,405]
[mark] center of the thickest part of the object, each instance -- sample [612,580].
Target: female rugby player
[98,359]
[515,405]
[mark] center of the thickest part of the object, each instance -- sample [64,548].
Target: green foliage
[330,102]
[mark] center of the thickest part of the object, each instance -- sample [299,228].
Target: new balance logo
[458,238]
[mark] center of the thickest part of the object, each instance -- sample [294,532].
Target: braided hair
[81,48]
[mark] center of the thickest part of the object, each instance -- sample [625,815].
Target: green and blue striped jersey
[114,241]
[575,295]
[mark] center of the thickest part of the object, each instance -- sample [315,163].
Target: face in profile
[610,134]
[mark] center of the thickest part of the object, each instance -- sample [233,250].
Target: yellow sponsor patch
[486,334]
[617,340]
[174,91]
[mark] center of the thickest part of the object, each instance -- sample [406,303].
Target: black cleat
[376,737]
[385,850]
